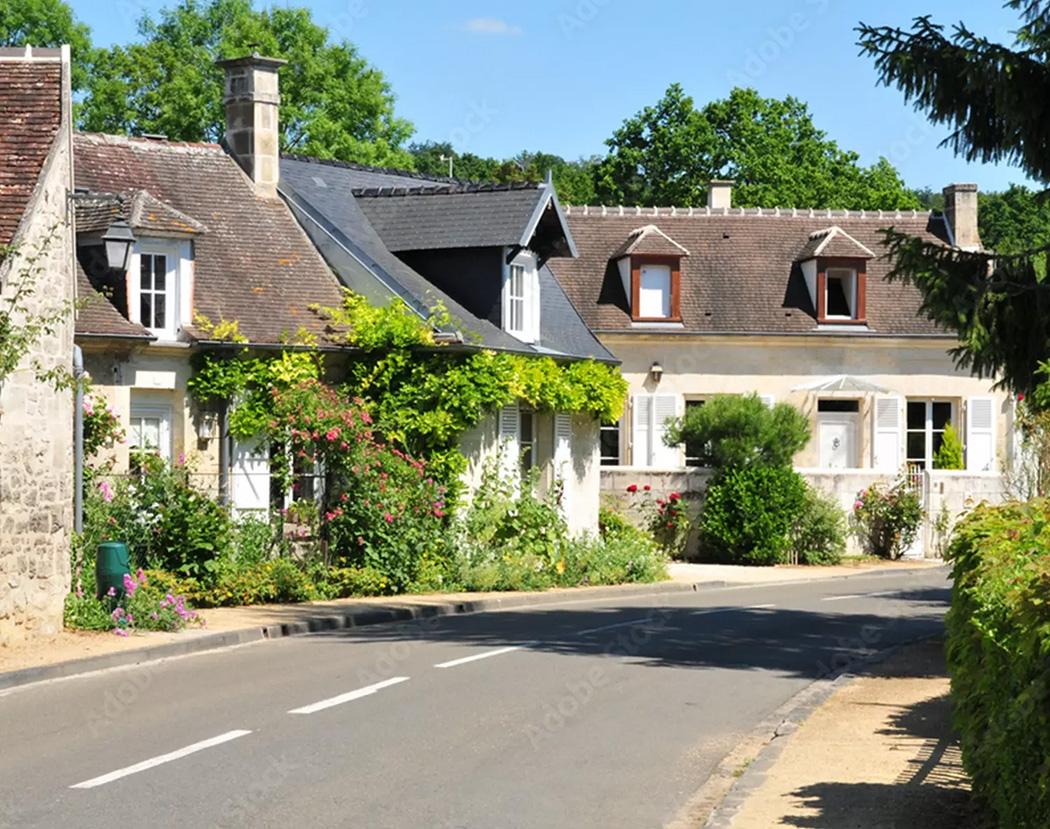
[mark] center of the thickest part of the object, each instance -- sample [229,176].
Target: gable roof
[832,242]
[98,317]
[252,261]
[743,276]
[649,240]
[321,194]
[31,103]
[143,212]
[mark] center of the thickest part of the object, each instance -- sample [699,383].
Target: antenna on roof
[449,158]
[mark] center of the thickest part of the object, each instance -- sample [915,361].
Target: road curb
[742,771]
[336,618]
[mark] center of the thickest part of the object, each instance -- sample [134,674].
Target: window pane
[838,405]
[836,303]
[654,291]
[942,414]
[146,310]
[159,318]
[160,272]
[916,446]
[916,414]
[146,272]
[610,445]
[938,439]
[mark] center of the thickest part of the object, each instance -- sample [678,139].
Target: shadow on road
[793,642]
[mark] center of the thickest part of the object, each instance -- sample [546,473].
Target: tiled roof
[97,315]
[649,241]
[741,276]
[832,241]
[451,217]
[253,263]
[363,175]
[30,115]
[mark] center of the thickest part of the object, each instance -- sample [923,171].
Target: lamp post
[656,371]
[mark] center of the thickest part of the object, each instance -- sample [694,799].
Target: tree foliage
[333,103]
[49,23]
[741,430]
[1014,220]
[984,92]
[668,152]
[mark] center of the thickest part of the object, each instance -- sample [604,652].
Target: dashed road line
[157,761]
[368,690]
[859,596]
[463,661]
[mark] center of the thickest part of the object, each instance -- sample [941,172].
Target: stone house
[36,417]
[239,233]
[792,305]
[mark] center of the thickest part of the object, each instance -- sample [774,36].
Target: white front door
[838,440]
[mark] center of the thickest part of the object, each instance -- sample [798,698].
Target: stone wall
[36,422]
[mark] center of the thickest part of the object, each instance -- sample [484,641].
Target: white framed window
[654,291]
[150,430]
[651,413]
[609,438]
[159,296]
[840,294]
[924,429]
[527,440]
[521,298]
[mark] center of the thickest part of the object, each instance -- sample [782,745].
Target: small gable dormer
[835,267]
[650,266]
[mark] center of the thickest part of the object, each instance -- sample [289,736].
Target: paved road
[588,714]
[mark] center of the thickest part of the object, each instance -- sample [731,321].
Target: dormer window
[655,288]
[834,265]
[650,266]
[521,297]
[159,289]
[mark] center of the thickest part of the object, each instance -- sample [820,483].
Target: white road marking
[368,690]
[156,761]
[616,625]
[760,607]
[859,596]
[453,663]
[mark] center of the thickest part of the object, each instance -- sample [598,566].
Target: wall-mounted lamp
[656,371]
[119,240]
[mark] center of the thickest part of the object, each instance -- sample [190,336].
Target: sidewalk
[879,753]
[237,625]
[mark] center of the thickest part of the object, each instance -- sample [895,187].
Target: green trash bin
[111,565]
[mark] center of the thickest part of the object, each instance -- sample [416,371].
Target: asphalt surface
[606,713]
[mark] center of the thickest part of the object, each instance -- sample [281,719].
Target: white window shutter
[980,434]
[768,399]
[665,407]
[641,415]
[250,475]
[563,458]
[886,433]
[510,442]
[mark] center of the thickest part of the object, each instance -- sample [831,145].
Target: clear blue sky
[497,77]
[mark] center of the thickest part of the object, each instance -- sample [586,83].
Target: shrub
[740,430]
[950,452]
[998,646]
[819,534]
[101,426]
[276,580]
[886,521]
[145,605]
[749,515]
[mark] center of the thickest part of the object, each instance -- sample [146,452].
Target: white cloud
[491,26]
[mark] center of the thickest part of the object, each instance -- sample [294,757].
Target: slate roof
[461,216]
[252,261]
[321,194]
[30,116]
[742,276]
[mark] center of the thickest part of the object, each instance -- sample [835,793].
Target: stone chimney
[719,194]
[960,209]
[252,102]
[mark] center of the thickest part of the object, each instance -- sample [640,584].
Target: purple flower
[111,592]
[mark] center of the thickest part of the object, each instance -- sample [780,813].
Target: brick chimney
[719,194]
[252,103]
[960,209]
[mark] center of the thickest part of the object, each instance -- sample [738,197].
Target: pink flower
[88,409]
[332,435]
[388,518]
[181,459]
[120,631]
[106,490]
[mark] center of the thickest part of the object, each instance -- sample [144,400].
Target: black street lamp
[119,240]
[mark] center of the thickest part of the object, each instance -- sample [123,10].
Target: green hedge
[999,657]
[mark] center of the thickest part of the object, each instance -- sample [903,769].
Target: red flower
[632,488]
[388,518]
[647,488]
[674,496]
[1020,398]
